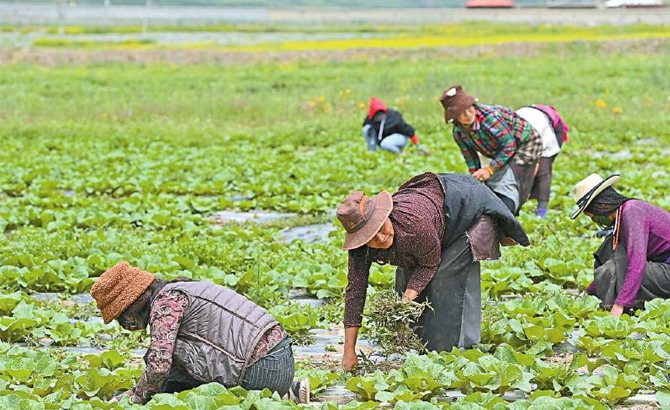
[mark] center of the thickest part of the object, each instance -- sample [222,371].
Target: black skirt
[454,294]
[610,273]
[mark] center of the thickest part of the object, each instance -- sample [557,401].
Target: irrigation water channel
[327,344]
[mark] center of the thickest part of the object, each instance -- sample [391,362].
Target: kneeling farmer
[200,333]
[386,129]
[633,263]
[435,229]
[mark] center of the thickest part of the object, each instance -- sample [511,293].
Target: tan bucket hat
[587,189]
[118,288]
[362,217]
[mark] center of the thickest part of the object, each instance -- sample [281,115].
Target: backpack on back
[557,123]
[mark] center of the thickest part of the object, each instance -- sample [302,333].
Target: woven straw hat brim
[606,183]
[384,206]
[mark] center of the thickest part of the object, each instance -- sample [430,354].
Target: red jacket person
[385,128]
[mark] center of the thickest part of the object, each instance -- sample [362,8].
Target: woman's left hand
[130,393]
[482,174]
[617,310]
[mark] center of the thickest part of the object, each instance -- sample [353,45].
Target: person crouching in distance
[385,128]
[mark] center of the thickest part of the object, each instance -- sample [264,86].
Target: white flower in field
[451,92]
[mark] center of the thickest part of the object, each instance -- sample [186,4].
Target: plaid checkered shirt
[496,133]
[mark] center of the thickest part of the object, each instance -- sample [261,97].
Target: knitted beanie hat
[118,288]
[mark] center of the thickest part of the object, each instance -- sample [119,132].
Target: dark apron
[455,291]
[454,294]
[610,273]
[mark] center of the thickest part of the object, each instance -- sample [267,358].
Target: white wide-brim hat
[589,188]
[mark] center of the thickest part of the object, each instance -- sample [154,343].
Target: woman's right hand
[349,360]
[507,241]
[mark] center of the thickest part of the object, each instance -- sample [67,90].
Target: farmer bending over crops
[510,145]
[385,128]
[633,263]
[200,333]
[554,132]
[435,229]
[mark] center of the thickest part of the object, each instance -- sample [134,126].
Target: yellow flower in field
[348,91]
[618,110]
[361,105]
[600,103]
[322,98]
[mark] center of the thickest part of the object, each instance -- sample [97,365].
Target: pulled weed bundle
[391,323]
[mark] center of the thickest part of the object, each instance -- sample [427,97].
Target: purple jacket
[644,230]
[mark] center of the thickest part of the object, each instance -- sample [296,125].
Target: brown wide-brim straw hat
[118,288]
[588,189]
[362,217]
[455,101]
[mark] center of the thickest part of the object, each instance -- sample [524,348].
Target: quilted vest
[219,332]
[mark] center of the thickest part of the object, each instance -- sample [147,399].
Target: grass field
[109,161]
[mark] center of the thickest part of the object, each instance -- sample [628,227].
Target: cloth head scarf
[606,202]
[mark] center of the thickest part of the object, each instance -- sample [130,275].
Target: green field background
[105,161]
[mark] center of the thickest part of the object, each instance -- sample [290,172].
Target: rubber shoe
[299,392]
